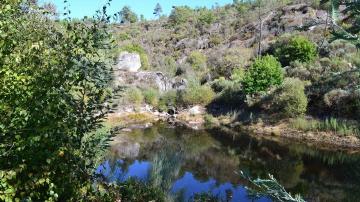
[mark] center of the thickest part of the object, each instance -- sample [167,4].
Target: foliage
[223,63]
[137,191]
[168,99]
[238,75]
[134,96]
[158,10]
[180,15]
[127,15]
[296,48]
[151,96]
[196,94]
[136,48]
[221,84]
[350,28]
[262,74]
[336,126]
[206,17]
[270,188]
[197,60]
[204,197]
[290,99]
[55,82]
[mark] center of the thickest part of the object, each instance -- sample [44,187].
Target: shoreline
[278,132]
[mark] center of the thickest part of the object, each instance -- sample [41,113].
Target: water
[184,162]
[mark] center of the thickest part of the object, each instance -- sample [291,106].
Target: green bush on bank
[340,127]
[196,94]
[262,74]
[151,96]
[134,96]
[168,99]
[290,99]
[296,48]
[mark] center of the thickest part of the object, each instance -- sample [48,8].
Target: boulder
[196,110]
[144,79]
[130,62]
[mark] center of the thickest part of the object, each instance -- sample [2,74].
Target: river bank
[197,119]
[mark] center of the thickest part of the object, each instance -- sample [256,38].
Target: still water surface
[184,162]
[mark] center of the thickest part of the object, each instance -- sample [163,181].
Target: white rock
[130,62]
[196,110]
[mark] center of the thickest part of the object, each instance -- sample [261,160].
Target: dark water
[184,162]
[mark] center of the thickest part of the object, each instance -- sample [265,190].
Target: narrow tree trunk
[260,33]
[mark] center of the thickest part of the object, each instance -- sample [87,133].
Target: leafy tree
[55,81]
[180,15]
[262,74]
[206,16]
[296,48]
[158,10]
[127,15]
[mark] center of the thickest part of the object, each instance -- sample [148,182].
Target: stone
[196,110]
[145,79]
[130,62]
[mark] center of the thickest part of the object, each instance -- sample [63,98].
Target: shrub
[238,75]
[262,74]
[137,191]
[180,15]
[221,84]
[206,16]
[197,60]
[339,127]
[169,66]
[222,62]
[134,96]
[168,99]
[290,99]
[296,48]
[136,48]
[151,96]
[196,94]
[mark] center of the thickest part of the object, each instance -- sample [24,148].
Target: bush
[180,15]
[336,126]
[290,99]
[134,96]
[238,75]
[206,16]
[136,48]
[221,84]
[151,96]
[197,60]
[168,99]
[196,94]
[262,74]
[137,191]
[296,48]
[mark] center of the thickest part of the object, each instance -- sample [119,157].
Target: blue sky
[80,8]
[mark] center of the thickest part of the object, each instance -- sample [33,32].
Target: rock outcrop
[145,79]
[130,62]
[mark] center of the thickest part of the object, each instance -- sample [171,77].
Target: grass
[339,127]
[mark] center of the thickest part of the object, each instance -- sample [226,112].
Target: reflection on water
[183,163]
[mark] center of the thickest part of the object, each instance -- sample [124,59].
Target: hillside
[214,52]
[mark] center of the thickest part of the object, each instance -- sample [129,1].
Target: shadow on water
[184,163]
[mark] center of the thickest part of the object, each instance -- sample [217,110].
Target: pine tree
[158,10]
[127,15]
